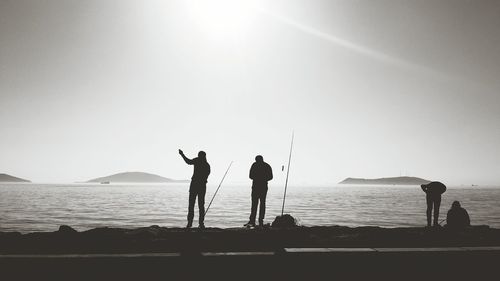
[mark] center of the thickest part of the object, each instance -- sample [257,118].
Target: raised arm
[187,160]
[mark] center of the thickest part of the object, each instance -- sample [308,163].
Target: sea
[29,207]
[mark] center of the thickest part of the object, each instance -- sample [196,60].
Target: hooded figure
[457,217]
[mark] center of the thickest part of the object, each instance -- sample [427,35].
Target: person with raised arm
[198,186]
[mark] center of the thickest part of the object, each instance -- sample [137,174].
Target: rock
[64,229]
[284,221]
[145,232]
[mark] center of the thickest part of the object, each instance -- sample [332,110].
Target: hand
[181,152]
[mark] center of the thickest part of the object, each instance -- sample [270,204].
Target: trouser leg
[262,209]
[192,200]
[201,205]
[429,211]
[255,201]
[437,204]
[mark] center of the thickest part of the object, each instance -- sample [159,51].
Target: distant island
[134,177]
[387,181]
[9,178]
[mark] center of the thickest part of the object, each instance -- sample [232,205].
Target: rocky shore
[296,253]
[156,239]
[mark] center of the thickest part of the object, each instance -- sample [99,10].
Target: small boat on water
[105,182]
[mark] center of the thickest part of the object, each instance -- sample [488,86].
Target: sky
[370,88]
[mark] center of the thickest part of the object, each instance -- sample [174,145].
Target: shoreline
[156,239]
[299,253]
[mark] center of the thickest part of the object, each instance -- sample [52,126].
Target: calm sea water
[43,207]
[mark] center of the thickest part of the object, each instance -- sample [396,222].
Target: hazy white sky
[371,88]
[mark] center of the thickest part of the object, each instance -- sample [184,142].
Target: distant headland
[134,177]
[9,178]
[389,181]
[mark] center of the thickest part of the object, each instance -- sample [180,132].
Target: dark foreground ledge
[157,239]
[448,263]
[303,253]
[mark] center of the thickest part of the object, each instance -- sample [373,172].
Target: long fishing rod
[287,173]
[213,197]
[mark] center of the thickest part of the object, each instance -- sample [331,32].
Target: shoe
[201,226]
[249,224]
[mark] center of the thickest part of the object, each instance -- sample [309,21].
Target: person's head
[455,204]
[423,185]
[259,159]
[202,155]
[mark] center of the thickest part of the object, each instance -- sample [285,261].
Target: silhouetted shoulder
[269,172]
[437,187]
[434,187]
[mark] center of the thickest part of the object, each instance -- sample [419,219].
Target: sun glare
[223,18]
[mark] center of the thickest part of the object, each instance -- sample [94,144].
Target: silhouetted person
[457,217]
[433,192]
[260,173]
[198,186]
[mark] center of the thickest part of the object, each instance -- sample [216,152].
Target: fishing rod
[213,197]
[287,173]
